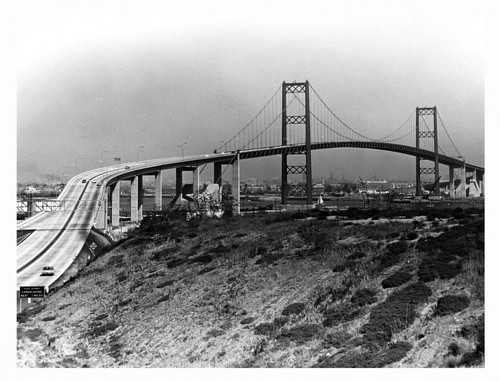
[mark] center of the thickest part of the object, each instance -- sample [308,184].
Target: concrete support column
[462,189]
[196,180]
[115,204]
[218,174]
[481,184]
[236,185]
[452,181]
[136,199]
[178,181]
[158,191]
[102,213]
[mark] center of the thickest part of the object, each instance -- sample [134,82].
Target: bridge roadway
[55,238]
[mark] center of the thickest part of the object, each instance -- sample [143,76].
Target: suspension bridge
[295,121]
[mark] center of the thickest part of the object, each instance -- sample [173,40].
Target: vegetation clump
[295,308]
[364,297]
[397,279]
[366,359]
[301,334]
[346,265]
[340,314]
[394,314]
[451,304]
[475,332]
[266,329]
[201,259]
[434,267]
[356,256]
[336,339]
[163,254]
[100,330]
[174,263]
[331,294]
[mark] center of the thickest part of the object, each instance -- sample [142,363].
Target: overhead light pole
[140,148]
[76,159]
[182,148]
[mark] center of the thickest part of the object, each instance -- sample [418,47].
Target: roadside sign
[31,292]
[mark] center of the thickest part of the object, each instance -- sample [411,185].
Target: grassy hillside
[273,291]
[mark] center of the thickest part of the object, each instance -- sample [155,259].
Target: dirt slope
[272,291]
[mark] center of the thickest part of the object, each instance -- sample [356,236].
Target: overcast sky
[89,85]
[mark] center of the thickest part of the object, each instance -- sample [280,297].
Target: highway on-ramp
[56,238]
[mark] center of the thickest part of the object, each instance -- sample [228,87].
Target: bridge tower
[423,111]
[292,88]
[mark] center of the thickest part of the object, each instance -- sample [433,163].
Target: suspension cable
[451,140]
[248,124]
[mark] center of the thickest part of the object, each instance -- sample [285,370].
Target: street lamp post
[182,148]
[76,159]
[102,153]
[140,148]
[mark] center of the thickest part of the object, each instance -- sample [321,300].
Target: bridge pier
[179,180]
[115,204]
[481,183]
[158,191]
[136,199]
[451,171]
[235,186]
[102,212]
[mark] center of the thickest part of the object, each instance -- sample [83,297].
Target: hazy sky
[88,85]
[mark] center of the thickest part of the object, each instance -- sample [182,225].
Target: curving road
[56,238]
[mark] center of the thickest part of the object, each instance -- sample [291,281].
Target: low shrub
[294,308]
[364,297]
[301,334]
[205,270]
[116,261]
[356,256]
[394,353]
[30,311]
[49,318]
[453,349]
[346,265]
[432,268]
[247,320]
[280,321]
[331,294]
[269,258]
[121,277]
[214,333]
[163,298]
[398,247]
[394,314]
[336,339]
[451,304]
[389,259]
[164,254]
[100,330]
[412,235]
[174,263]
[201,259]
[266,329]
[340,314]
[101,317]
[397,279]
[33,334]
[165,283]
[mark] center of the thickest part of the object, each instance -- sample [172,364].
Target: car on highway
[47,271]
[127,167]
[99,184]
[93,182]
[84,181]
